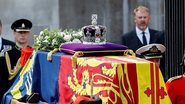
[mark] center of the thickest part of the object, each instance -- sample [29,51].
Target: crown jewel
[94,34]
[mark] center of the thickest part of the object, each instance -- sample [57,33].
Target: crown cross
[94,18]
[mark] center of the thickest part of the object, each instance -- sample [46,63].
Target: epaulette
[6,48]
[175,78]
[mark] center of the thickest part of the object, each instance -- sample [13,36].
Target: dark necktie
[144,39]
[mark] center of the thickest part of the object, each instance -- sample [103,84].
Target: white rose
[80,33]
[46,37]
[38,42]
[46,41]
[62,34]
[67,37]
[41,32]
[40,37]
[75,34]
[76,41]
[54,42]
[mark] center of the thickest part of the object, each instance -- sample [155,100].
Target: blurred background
[42,13]
[116,15]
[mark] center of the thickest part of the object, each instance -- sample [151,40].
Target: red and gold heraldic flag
[115,79]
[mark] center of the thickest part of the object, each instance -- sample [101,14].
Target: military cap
[21,25]
[151,51]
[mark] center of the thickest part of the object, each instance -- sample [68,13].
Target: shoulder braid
[12,72]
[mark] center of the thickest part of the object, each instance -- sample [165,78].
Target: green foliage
[49,40]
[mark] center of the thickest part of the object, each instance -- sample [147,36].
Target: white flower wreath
[49,40]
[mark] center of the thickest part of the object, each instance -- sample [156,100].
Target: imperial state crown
[94,34]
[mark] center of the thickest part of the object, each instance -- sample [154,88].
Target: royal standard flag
[115,79]
[145,80]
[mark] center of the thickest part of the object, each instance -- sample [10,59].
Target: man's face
[142,19]
[22,36]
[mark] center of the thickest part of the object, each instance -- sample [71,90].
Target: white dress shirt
[140,35]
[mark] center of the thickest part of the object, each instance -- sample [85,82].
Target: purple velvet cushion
[71,48]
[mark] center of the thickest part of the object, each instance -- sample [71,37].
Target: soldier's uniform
[12,60]
[176,89]
[10,63]
[12,56]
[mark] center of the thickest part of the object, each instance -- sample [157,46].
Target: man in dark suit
[160,37]
[142,34]
[5,45]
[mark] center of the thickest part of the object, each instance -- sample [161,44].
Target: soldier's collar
[18,47]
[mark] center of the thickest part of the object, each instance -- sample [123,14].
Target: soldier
[10,61]
[21,30]
[175,87]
